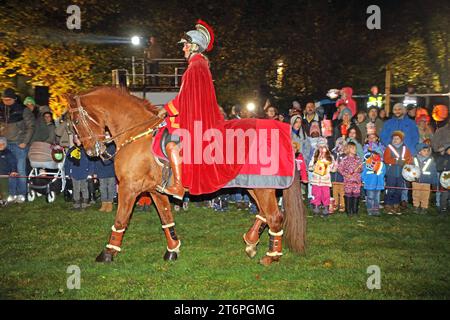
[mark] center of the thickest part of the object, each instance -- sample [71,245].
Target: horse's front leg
[126,203]
[168,225]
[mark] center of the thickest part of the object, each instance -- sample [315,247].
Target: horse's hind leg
[173,243]
[126,203]
[267,202]
[251,238]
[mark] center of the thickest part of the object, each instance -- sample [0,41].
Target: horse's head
[88,125]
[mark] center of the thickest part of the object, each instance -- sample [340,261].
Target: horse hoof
[105,256]
[170,256]
[250,250]
[267,260]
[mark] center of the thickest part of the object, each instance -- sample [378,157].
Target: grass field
[39,242]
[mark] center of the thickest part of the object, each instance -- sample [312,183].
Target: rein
[85,117]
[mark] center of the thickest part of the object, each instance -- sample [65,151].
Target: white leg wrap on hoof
[275,234]
[274,254]
[119,231]
[248,243]
[168,225]
[176,249]
[110,246]
[251,250]
[261,218]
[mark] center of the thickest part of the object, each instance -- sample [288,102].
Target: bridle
[100,140]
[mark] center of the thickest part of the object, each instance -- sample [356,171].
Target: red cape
[196,104]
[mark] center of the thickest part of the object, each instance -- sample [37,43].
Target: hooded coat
[349,101]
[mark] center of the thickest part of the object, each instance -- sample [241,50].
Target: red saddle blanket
[247,153]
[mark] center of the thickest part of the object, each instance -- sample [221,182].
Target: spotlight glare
[251,106]
[135,40]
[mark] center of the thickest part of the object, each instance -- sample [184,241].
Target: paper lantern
[440,112]
[411,173]
[445,179]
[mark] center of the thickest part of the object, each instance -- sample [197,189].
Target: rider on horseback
[196,101]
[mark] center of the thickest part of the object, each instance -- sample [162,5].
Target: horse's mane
[124,93]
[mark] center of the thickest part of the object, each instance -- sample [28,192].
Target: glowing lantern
[440,112]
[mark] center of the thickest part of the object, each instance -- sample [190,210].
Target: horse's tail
[294,222]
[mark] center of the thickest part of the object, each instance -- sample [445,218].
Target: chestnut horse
[131,122]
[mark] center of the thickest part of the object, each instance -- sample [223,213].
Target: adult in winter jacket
[8,167]
[18,130]
[400,122]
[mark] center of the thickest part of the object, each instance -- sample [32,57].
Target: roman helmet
[202,37]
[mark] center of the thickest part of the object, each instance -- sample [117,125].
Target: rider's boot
[176,189]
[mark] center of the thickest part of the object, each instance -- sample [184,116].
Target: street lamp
[251,106]
[135,40]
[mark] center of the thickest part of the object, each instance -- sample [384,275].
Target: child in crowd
[374,171]
[443,168]
[428,177]
[373,144]
[350,168]
[395,157]
[339,152]
[104,171]
[354,136]
[8,167]
[321,165]
[314,137]
[78,167]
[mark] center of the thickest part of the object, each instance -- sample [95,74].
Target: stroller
[47,176]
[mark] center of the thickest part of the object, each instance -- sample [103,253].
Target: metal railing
[427,96]
[167,76]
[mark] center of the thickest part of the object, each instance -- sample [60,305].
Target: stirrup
[162,189]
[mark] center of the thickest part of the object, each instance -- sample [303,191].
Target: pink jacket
[351,168]
[347,93]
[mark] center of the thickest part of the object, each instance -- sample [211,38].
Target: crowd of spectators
[348,153]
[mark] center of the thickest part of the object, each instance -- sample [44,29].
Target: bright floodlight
[135,40]
[251,106]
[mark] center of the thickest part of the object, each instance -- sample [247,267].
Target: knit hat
[3,140]
[372,108]
[344,111]
[421,146]
[296,105]
[423,117]
[399,134]
[29,100]
[314,128]
[9,93]
[294,119]
[399,105]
